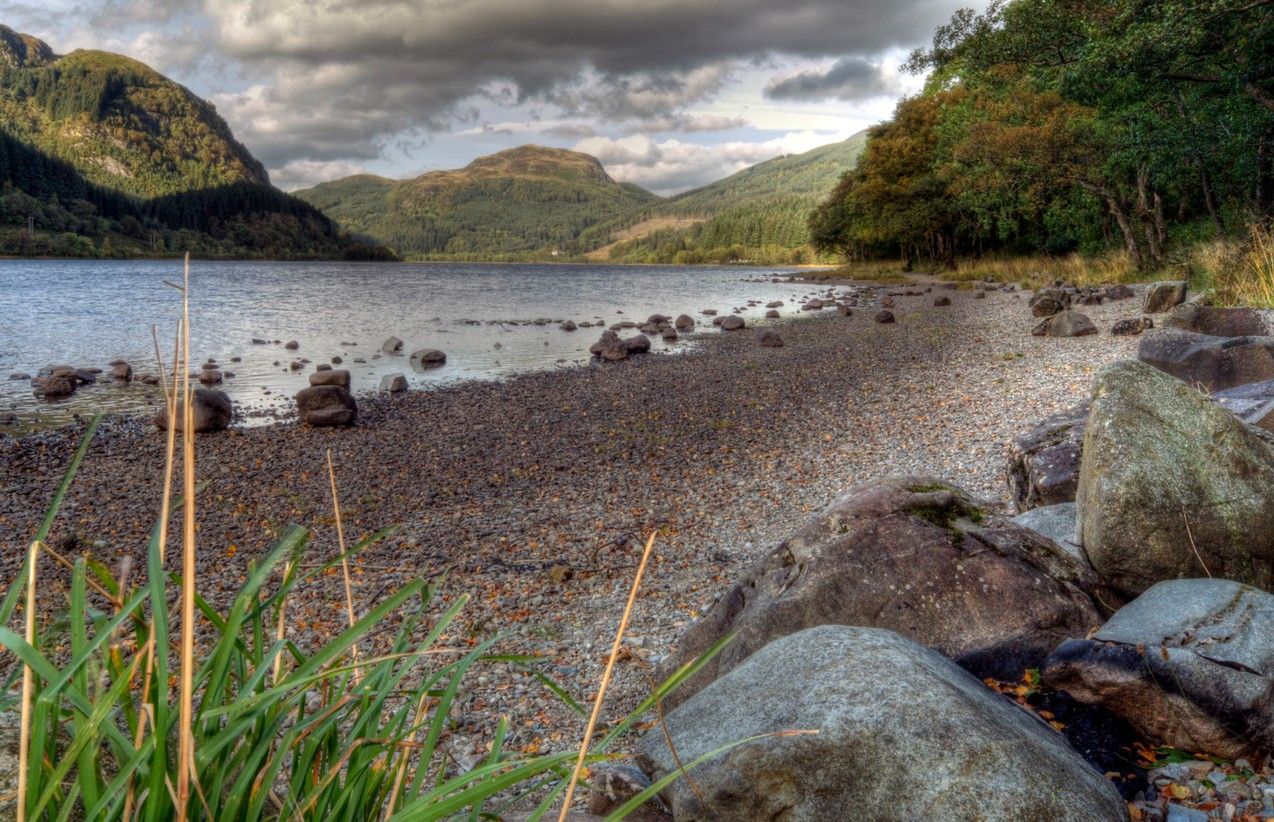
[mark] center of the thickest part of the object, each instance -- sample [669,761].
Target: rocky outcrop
[1211,363]
[326,406]
[917,556]
[1222,322]
[1189,663]
[1065,324]
[212,412]
[837,719]
[1043,463]
[1164,296]
[1172,485]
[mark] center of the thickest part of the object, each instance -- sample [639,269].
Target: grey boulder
[1253,403]
[1222,322]
[732,323]
[1189,663]
[1049,301]
[1043,463]
[1172,485]
[1065,324]
[1057,523]
[842,716]
[915,555]
[326,406]
[1164,296]
[1211,363]
[684,322]
[393,345]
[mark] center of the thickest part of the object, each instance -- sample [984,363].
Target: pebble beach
[534,495]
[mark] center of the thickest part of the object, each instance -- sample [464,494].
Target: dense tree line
[47,207]
[1060,125]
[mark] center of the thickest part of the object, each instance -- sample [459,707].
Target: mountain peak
[538,161]
[19,50]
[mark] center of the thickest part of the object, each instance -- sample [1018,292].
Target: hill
[100,155]
[536,203]
[522,203]
[759,214]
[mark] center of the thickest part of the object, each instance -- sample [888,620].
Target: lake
[88,312]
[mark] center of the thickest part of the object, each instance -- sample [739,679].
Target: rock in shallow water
[1172,485]
[331,376]
[915,555]
[393,383]
[1189,663]
[880,704]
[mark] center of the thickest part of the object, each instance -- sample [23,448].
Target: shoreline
[725,448]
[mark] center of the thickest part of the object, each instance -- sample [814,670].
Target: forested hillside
[540,203]
[1071,125]
[102,156]
[526,202]
[760,214]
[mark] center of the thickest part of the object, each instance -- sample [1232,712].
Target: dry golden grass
[1240,273]
[1037,271]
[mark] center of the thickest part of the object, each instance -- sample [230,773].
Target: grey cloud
[851,78]
[571,130]
[346,76]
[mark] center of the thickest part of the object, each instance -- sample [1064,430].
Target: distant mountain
[759,214]
[525,202]
[536,203]
[100,155]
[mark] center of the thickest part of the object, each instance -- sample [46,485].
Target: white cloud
[669,166]
[305,173]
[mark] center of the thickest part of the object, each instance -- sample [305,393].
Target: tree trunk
[1264,177]
[1121,219]
[1147,217]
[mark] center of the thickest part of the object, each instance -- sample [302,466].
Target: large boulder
[732,323]
[393,383]
[326,406]
[847,723]
[1253,403]
[1172,485]
[1043,463]
[1164,296]
[1065,324]
[212,412]
[1189,663]
[915,555]
[1211,363]
[685,322]
[1222,322]
[1056,523]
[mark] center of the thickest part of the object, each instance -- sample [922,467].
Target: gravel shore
[534,494]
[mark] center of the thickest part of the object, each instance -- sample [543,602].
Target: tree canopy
[1056,125]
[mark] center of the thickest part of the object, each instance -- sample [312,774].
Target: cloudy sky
[669,94]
